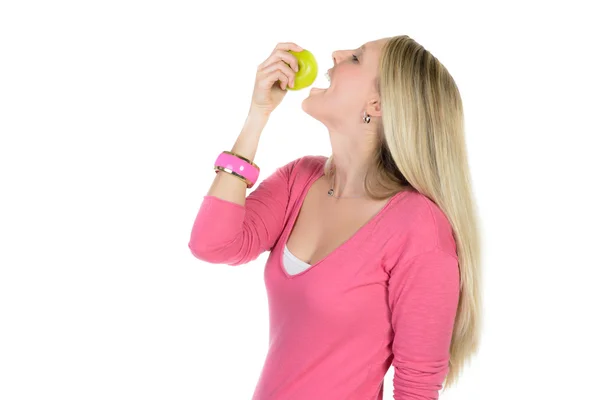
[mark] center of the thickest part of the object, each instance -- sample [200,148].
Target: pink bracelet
[238,166]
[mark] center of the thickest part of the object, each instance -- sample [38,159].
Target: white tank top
[292,264]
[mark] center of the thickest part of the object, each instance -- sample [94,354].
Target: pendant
[330,192]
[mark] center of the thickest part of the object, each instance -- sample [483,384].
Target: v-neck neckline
[288,230]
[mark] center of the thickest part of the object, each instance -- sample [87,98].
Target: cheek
[348,88]
[347,79]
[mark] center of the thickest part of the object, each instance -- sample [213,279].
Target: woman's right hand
[273,77]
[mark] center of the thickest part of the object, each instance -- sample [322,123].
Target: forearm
[227,186]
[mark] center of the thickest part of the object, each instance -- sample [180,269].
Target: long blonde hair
[422,147]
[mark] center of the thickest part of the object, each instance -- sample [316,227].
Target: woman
[374,251]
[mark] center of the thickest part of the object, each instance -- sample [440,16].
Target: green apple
[307,69]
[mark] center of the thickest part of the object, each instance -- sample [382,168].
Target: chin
[315,95]
[317,111]
[309,106]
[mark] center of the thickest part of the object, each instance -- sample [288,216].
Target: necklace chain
[330,192]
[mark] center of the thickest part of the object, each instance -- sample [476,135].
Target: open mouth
[318,89]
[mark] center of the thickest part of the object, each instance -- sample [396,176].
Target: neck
[352,159]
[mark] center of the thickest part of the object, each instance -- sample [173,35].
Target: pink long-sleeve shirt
[387,296]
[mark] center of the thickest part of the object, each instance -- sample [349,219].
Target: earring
[366,117]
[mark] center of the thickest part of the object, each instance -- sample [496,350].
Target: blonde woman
[374,250]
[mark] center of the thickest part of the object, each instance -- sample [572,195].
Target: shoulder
[294,175]
[305,167]
[311,162]
[419,225]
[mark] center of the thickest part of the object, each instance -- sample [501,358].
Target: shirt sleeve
[225,232]
[423,298]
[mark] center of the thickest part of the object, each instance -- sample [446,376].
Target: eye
[354,58]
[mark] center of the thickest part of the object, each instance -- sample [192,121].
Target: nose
[336,55]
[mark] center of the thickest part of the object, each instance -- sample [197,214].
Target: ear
[374,108]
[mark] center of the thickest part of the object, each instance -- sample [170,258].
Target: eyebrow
[363,48]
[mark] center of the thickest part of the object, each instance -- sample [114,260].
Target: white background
[112,114]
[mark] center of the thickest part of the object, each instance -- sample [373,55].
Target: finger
[283,80]
[280,55]
[269,79]
[285,46]
[283,67]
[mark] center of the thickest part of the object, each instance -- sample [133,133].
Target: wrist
[259,115]
[256,121]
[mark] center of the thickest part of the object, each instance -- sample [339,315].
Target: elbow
[195,252]
[206,246]
[418,380]
[216,256]
[204,254]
